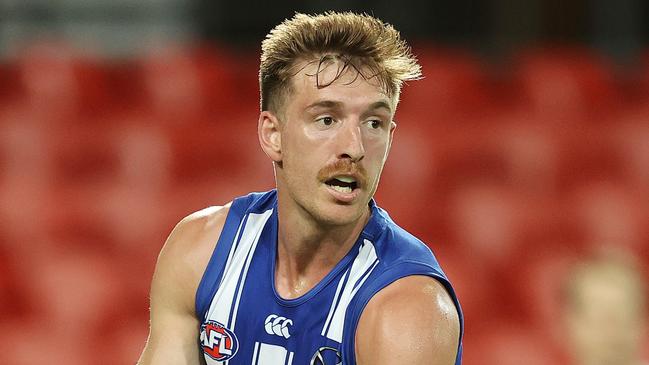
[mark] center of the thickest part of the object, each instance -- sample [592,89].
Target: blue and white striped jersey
[245,321]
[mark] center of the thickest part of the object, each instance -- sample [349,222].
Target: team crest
[217,341]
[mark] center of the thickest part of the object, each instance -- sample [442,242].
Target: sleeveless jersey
[245,321]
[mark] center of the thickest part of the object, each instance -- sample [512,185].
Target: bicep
[173,336]
[412,321]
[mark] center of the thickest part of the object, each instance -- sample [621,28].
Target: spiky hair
[373,48]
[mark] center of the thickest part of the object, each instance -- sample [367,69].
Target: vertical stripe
[290,358]
[233,247]
[335,302]
[226,297]
[271,355]
[263,218]
[255,356]
[363,264]
[365,275]
[237,292]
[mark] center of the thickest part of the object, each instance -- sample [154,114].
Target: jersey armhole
[387,277]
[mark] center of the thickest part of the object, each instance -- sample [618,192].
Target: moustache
[344,167]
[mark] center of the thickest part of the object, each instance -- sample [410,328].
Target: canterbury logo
[276,325]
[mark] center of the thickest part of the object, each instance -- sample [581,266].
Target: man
[605,311]
[312,272]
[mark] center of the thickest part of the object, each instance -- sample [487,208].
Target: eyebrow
[330,104]
[380,105]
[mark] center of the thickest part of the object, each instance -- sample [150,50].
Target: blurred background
[522,159]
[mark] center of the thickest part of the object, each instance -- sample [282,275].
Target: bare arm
[411,321]
[173,336]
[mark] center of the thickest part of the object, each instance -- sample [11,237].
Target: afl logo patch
[218,342]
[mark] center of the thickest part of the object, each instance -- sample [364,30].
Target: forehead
[337,81]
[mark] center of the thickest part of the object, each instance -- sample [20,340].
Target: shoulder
[198,225]
[186,252]
[419,311]
[400,251]
[192,241]
[195,234]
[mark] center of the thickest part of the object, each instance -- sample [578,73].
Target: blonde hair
[358,40]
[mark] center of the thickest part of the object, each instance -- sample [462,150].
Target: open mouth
[343,184]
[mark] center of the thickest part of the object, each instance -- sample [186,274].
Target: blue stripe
[239,285]
[243,228]
[366,273]
[235,245]
[214,271]
[342,289]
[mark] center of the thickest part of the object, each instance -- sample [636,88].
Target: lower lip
[344,197]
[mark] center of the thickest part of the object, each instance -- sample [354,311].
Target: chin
[337,214]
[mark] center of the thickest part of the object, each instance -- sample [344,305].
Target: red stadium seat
[509,344]
[407,182]
[123,342]
[452,81]
[70,292]
[536,281]
[612,214]
[26,175]
[61,81]
[9,83]
[588,154]
[474,283]
[18,338]
[486,220]
[630,142]
[566,82]
[221,150]
[189,81]
[529,149]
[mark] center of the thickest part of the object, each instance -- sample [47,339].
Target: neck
[307,249]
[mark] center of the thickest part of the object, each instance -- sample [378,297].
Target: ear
[393,126]
[270,136]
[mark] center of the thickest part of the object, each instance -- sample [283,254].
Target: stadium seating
[509,172]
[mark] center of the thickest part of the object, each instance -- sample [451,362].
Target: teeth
[342,189]
[346,179]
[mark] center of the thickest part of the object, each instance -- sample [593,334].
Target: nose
[351,143]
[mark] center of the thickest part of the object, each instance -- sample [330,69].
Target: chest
[266,332]
[248,323]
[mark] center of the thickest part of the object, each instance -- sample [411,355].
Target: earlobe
[270,136]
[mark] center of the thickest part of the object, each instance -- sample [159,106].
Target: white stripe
[290,358]
[366,260]
[222,303]
[254,354]
[333,304]
[271,354]
[228,262]
[376,262]
[260,222]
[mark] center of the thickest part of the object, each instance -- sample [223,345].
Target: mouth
[344,188]
[344,184]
